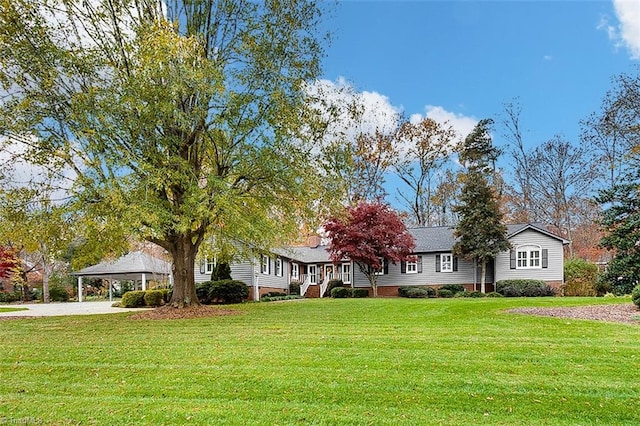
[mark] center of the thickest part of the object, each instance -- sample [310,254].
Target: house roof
[130,266]
[428,240]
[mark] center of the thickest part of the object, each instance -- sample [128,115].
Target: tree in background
[371,235]
[177,118]
[481,233]
[430,145]
[38,229]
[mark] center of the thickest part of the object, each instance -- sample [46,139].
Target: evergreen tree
[480,231]
[621,222]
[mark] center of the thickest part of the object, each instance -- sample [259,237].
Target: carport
[135,266]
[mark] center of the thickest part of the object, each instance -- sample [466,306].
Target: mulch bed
[169,312]
[623,313]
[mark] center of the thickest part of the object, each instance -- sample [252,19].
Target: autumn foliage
[370,234]
[8,262]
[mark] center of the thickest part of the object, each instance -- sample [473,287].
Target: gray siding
[270,279]
[241,271]
[554,272]
[428,276]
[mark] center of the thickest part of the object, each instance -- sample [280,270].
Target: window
[295,271]
[278,267]
[207,265]
[446,262]
[346,273]
[412,267]
[313,274]
[380,271]
[528,257]
[265,264]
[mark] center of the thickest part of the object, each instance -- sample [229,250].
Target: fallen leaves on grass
[169,312]
[624,313]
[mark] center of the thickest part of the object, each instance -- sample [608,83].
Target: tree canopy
[370,234]
[179,120]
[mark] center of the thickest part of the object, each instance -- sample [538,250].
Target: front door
[329,272]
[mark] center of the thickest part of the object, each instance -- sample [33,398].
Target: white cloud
[352,112]
[462,124]
[627,32]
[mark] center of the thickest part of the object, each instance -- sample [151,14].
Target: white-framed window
[381,270]
[346,273]
[312,271]
[278,267]
[412,267]
[295,271]
[528,257]
[207,265]
[446,262]
[265,265]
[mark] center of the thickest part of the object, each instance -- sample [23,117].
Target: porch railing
[305,285]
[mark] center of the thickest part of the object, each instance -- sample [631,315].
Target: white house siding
[554,271]
[428,276]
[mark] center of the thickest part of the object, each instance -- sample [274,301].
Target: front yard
[325,361]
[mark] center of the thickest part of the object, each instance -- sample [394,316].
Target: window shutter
[419,264]
[455,263]
[202,265]
[386,267]
[437,263]
[403,267]
[512,259]
[545,258]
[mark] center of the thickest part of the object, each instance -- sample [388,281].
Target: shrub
[294,287]
[524,288]
[274,294]
[454,288]
[8,297]
[635,295]
[203,292]
[471,294]
[58,293]
[153,298]
[443,292]
[360,292]
[133,299]
[276,298]
[494,294]
[166,294]
[580,278]
[417,293]
[340,292]
[331,285]
[228,291]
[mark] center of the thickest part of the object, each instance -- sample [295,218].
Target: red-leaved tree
[370,235]
[8,262]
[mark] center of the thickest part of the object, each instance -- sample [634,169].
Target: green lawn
[6,309]
[323,361]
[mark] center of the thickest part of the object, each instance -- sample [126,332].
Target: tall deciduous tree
[481,233]
[429,147]
[371,235]
[179,118]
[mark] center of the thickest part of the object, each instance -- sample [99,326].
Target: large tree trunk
[183,252]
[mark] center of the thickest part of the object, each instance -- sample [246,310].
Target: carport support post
[144,282]
[110,290]
[79,288]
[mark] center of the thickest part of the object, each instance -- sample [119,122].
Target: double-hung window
[528,257]
[295,271]
[346,273]
[265,265]
[446,262]
[412,267]
[278,267]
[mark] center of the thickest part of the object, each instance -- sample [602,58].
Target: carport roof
[128,267]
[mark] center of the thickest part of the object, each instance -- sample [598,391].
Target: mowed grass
[344,361]
[11,309]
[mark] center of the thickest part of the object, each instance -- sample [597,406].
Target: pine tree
[480,231]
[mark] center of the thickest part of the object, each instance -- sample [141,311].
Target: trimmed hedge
[331,285]
[58,293]
[443,292]
[359,292]
[580,277]
[153,298]
[470,294]
[524,288]
[415,292]
[228,291]
[266,298]
[453,288]
[340,292]
[133,299]
[294,287]
[635,295]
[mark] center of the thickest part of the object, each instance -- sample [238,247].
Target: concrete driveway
[63,309]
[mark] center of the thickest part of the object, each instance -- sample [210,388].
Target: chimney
[313,241]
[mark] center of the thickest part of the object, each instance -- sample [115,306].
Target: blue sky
[461,60]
